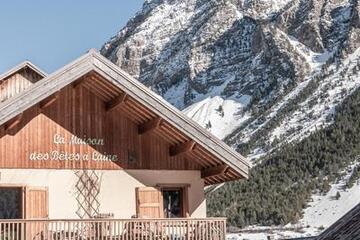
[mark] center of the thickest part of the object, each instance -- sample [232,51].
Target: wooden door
[149,202]
[36,203]
[36,207]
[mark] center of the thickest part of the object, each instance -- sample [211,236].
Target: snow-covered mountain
[257,57]
[256,73]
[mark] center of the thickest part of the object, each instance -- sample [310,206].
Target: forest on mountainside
[280,186]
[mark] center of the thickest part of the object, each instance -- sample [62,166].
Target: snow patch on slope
[313,113]
[276,232]
[219,116]
[270,234]
[256,126]
[314,60]
[323,211]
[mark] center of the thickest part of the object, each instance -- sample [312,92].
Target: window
[173,203]
[10,203]
[163,201]
[18,202]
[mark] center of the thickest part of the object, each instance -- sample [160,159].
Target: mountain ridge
[259,74]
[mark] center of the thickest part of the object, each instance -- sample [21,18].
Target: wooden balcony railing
[114,229]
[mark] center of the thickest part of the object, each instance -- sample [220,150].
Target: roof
[19,67]
[93,61]
[347,227]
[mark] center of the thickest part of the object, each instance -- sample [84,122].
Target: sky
[53,33]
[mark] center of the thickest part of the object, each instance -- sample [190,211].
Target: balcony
[114,229]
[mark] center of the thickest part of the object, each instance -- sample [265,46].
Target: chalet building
[88,152]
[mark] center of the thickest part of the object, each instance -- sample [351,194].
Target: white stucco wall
[117,192]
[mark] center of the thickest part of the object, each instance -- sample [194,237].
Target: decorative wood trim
[13,123]
[214,171]
[113,104]
[182,148]
[150,125]
[47,102]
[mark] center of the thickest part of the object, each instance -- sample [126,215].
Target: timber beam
[182,148]
[150,125]
[13,123]
[2,129]
[78,83]
[50,100]
[214,171]
[116,102]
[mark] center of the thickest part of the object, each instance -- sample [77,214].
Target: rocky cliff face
[256,55]
[257,73]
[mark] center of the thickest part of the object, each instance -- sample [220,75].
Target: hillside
[259,74]
[283,182]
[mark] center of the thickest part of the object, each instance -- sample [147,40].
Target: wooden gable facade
[76,129]
[91,115]
[18,79]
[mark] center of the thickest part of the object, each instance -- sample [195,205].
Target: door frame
[185,196]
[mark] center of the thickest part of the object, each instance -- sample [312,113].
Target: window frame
[185,196]
[21,189]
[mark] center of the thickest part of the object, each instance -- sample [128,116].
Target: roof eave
[233,155]
[23,65]
[93,61]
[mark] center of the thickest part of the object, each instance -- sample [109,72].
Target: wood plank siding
[78,112]
[17,82]
[118,117]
